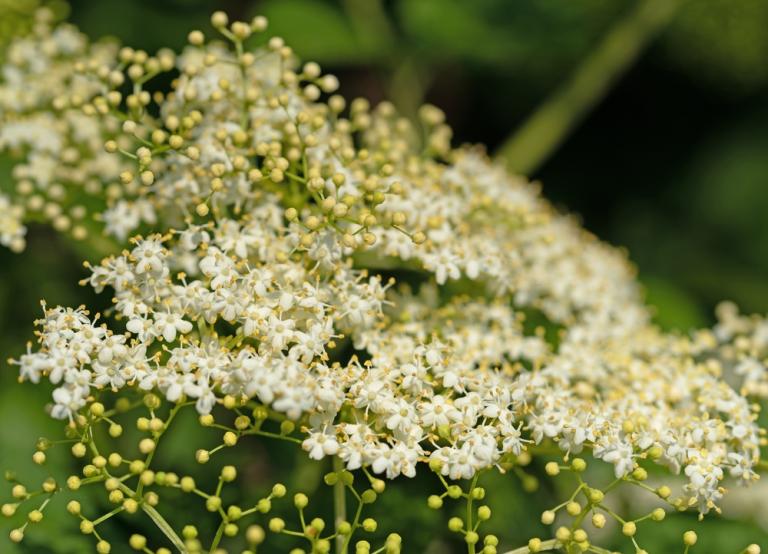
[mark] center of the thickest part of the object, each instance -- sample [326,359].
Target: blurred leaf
[453,29]
[319,31]
[148,25]
[728,184]
[722,42]
[18,440]
[543,36]
[673,306]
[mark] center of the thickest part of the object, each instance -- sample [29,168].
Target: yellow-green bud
[278,491]
[276,525]
[228,473]
[573,508]
[370,525]
[137,542]
[300,500]
[455,524]
[578,464]
[255,534]
[435,502]
[213,503]
[483,513]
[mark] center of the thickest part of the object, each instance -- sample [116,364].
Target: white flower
[167,324]
[320,444]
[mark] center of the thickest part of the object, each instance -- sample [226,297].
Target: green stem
[550,544]
[165,527]
[370,23]
[551,123]
[409,83]
[106,516]
[339,505]
[217,538]
[470,498]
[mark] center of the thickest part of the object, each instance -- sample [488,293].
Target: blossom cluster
[405,303]
[61,171]
[12,230]
[460,383]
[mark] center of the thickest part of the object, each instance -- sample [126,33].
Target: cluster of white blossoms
[60,170]
[746,348]
[12,230]
[388,380]
[350,271]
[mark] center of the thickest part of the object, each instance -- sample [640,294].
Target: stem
[355,524]
[551,544]
[408,86]
[339,506]
[217,538]
[370,23]
[471,547]
[551,123]
[165,527]
[407,80]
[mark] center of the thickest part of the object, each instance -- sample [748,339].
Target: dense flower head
[12,230]
[403,302]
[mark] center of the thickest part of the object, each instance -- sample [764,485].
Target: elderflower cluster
[745,352]
[397,304]
[12,230]
[60,166]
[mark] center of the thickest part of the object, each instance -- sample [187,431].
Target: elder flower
[282,232]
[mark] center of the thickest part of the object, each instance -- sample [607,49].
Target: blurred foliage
[722,42]
[16,17]
[672,165]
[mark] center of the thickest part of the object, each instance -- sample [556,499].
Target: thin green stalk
[339,505]
[550,544]
[527,149]
[408,81]
[165,527]
[370,22]
[470,498]
[408,85]
[217,538]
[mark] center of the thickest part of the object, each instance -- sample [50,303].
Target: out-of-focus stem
[550,544]
[550,124]
[163,525]
[407,80]
[407,87]
[339,506]
[369,20]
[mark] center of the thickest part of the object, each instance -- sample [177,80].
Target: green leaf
[318,31]
[453,29]
[674,308]
[722,42]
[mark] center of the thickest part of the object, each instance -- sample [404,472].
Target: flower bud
[435,502]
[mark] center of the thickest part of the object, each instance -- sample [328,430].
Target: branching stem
[550,124]
[339,506]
